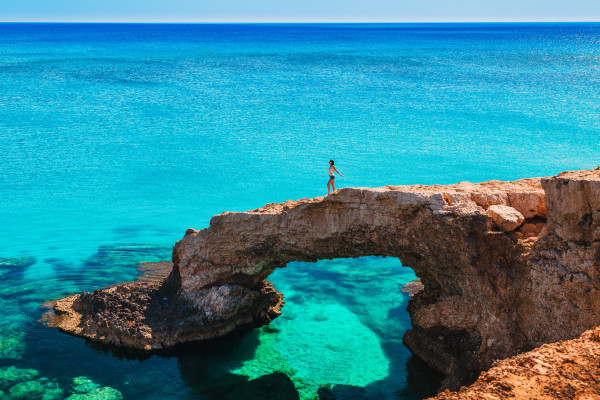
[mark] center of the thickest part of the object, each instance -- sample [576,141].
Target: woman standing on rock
[331,181]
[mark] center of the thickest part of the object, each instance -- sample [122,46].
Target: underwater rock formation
[505,266]
[274,386]
[27,384]
[14,286]
[83,388]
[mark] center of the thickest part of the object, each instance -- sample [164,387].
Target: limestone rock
[528,204]
[507,218]
[574,205]
[487,293]
[275,386]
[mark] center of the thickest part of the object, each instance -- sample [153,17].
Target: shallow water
[116,138]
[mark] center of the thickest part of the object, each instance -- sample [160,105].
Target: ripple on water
[13,293]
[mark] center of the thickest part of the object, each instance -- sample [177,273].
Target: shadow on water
[205,367]
[422,382]
[191,371]
[205,370]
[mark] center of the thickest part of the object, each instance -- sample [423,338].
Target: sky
[298,10]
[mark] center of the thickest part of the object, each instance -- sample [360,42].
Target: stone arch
[443,233]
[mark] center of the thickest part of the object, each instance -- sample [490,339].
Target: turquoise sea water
[116,138]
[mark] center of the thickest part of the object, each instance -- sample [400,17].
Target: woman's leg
[328,186]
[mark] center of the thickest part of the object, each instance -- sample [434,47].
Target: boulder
[487,294]
[505,217]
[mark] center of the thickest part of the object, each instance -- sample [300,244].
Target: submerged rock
[317,344]
[275,386]
[82,384]
[41,389]
[84,389]
[104,393]
[563,370]
[18,297]
[14,267]
[487,292]
[505,217]
[112,262]
[11,343]
[26,384]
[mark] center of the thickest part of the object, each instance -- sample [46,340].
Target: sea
[116,138]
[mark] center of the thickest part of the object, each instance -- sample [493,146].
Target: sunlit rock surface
[562,370]
[83,388]
[490,288]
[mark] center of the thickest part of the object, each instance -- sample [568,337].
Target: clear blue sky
[299,10]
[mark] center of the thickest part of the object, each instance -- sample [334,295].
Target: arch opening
[339,334]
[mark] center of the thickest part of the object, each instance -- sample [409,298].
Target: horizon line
[297,22]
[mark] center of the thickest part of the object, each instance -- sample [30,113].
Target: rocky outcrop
[505,267]
[562,370]
[145,315]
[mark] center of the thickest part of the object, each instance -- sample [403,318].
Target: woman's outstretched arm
[335,169]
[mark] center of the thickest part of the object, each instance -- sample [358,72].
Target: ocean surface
[115,138]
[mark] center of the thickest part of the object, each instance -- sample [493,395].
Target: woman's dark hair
[331,162]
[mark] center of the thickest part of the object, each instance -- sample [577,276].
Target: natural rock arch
[501,273]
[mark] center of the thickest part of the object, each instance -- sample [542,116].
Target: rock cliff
[505,267]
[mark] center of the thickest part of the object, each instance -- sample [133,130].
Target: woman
[331,182]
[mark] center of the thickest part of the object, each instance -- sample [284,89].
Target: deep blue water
[115,138]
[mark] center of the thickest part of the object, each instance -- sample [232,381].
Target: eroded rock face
[145,315]
[490,289]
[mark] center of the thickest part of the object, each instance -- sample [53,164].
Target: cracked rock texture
[562,370]
[505,267]
[144,315]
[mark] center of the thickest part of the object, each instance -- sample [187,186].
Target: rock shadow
[205,366]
